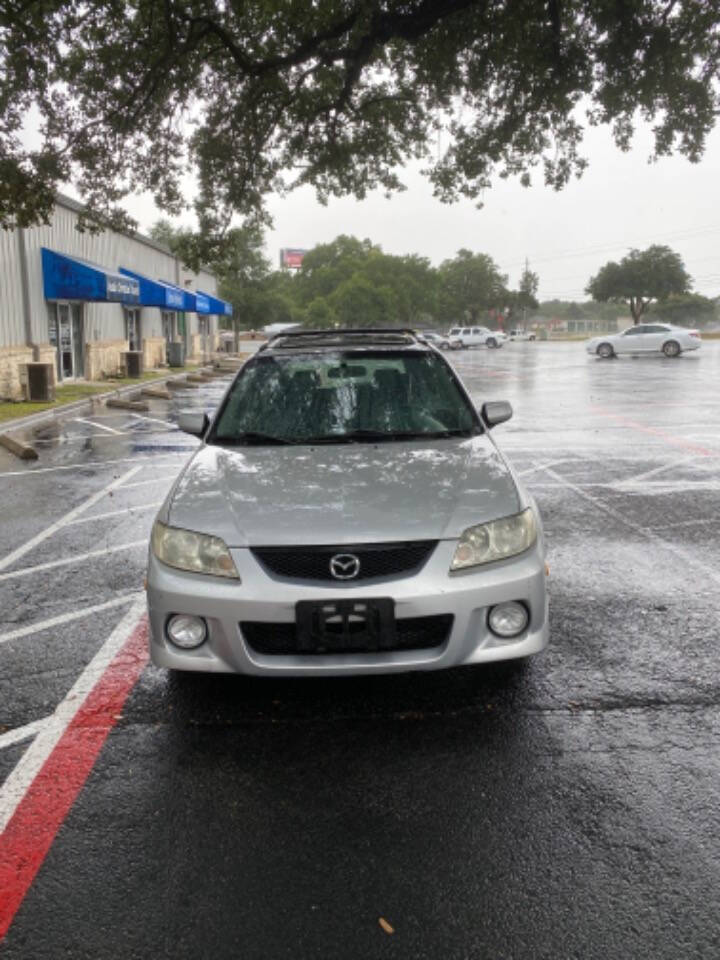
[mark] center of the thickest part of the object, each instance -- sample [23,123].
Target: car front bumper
[260,596]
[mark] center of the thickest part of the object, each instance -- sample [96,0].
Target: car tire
[605,351]
[491,342]
[531,337]
[671,348]
[444,345]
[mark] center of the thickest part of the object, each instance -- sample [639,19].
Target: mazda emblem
[344,566]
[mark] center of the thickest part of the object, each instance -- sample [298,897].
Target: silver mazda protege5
[347,512]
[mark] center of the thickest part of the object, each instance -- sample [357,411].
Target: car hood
[342,493]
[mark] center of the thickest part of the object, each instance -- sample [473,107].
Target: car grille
[411,633]
[376,560]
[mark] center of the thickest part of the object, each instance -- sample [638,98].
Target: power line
[610,246]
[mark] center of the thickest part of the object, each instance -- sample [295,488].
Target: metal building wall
[12,323]
[103,321]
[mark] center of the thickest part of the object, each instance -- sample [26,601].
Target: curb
[34,419]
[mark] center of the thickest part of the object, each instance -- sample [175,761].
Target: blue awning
[67,278]
[157,293]
[201,304]
[221,307]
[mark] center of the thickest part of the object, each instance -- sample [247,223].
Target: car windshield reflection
[339,397]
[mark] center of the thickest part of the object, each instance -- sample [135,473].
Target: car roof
[346,339]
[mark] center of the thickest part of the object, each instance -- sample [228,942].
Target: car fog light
[186,632]
[508,619]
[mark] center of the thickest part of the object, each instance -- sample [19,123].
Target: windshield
[343,397]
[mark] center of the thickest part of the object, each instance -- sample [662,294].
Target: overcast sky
[620,202]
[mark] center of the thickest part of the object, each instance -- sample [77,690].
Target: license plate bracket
[344,626]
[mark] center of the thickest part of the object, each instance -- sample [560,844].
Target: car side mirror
[192,422]
[496,411]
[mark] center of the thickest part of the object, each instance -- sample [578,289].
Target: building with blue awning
[81,301]
[202,303]
[220,308]
[157,293]
[69,278]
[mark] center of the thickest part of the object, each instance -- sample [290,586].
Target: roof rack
[386,334]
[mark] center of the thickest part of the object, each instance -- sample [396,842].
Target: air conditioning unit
[39,385]
[134,363]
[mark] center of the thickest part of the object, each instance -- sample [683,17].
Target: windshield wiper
[249,438]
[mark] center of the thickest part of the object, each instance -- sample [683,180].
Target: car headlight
[197,552]
[495,540]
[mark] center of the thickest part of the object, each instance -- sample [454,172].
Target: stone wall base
[103,358]
[153,352]
[197,354]
[196,350]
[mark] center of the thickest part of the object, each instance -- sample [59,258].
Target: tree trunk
[638,306]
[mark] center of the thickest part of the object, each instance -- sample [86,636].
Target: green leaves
[641,277]
[339,94]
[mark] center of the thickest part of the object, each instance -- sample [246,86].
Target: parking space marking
[114,513]
[22,733]
[68,561]
[553,463]
[638,528]
[661,469]
[40,791]
[654,432]
[62,618]
[146,483]
[165,423]
[100,426]
[83,465]
[63,521]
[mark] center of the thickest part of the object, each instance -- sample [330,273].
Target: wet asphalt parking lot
[567,811]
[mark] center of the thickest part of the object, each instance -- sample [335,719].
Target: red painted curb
[33,827]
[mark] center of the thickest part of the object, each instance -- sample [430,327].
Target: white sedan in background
[645,338]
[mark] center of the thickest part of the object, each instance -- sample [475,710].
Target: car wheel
[532,337]
[491,342]
[671,348]
[444,345]
[605,350]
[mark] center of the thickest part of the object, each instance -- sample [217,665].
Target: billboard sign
[292,257]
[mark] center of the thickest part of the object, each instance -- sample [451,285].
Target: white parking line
[656,470]
[63,521]
[67,561]
[146,483]
[68,617]
[89,464]
[18,783]
[115,513]
[543,466]
[23,733]
[100,426]
[598,504]
[165,423]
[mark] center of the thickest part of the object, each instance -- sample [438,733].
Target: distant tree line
[352,282]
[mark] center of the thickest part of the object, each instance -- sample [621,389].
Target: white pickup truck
[460,337]
[521,335]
